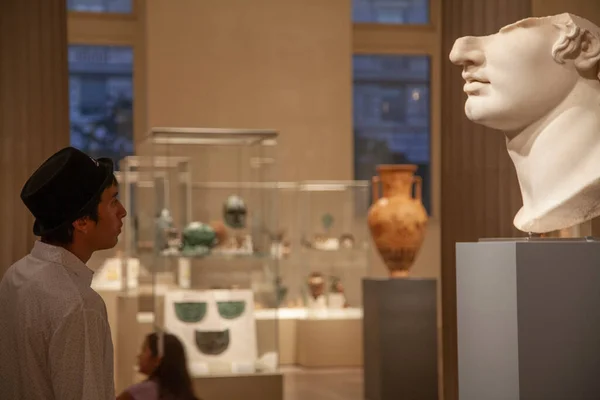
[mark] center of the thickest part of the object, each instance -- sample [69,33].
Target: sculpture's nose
[467,50]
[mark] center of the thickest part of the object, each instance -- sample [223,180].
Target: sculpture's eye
[190,312]
[231,309]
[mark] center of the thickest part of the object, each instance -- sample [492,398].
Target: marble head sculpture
[538,81]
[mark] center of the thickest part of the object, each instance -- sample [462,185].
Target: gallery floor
[323,384]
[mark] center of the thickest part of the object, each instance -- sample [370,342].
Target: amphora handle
[418,184]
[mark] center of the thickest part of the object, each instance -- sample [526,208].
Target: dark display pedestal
[400,339]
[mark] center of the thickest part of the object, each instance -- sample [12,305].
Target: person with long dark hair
[168,376]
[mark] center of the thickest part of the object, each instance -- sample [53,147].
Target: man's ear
[81,224]
[589,54]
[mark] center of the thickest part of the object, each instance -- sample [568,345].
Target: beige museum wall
[259,64]
[589,9]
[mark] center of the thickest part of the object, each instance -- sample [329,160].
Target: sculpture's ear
[589,55]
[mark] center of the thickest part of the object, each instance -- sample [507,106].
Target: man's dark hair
[64,234]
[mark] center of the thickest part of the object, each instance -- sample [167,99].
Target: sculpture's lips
[473,87]
[473,76]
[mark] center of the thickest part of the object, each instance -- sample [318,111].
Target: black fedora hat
[64,187]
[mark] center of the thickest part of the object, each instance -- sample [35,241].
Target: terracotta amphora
[397,219]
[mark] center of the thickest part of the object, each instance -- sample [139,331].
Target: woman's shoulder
[144,390]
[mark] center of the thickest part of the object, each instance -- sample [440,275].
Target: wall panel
[259,64]
[34,108]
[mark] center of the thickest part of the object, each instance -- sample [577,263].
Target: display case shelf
[221,256]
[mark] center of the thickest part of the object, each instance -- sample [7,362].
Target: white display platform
[329,342]
[110,275]
[327,330]
[217,328]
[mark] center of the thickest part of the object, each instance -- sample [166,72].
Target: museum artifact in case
[330,251]
[213,224]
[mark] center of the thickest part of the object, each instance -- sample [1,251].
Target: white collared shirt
[55,341]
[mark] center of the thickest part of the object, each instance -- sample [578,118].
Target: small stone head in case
[234,212]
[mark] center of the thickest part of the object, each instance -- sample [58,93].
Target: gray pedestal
[528,320]
[400,339]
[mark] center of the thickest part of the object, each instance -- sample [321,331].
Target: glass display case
[329,254]
[123,275]
[145,183]
[211,236]
[125,268]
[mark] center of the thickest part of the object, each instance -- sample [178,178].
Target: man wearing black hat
[55,340]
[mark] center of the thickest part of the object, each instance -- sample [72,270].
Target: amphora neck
[396,180]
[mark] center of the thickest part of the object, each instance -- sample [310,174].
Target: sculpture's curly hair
[569,43]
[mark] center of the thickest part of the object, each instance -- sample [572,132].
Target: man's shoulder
[30,273]
[36,283]
[14,266]
[24,275]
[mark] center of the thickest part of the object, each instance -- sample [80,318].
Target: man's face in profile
[512,80]
[104,233]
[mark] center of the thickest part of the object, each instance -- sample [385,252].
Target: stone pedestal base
[400,339]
